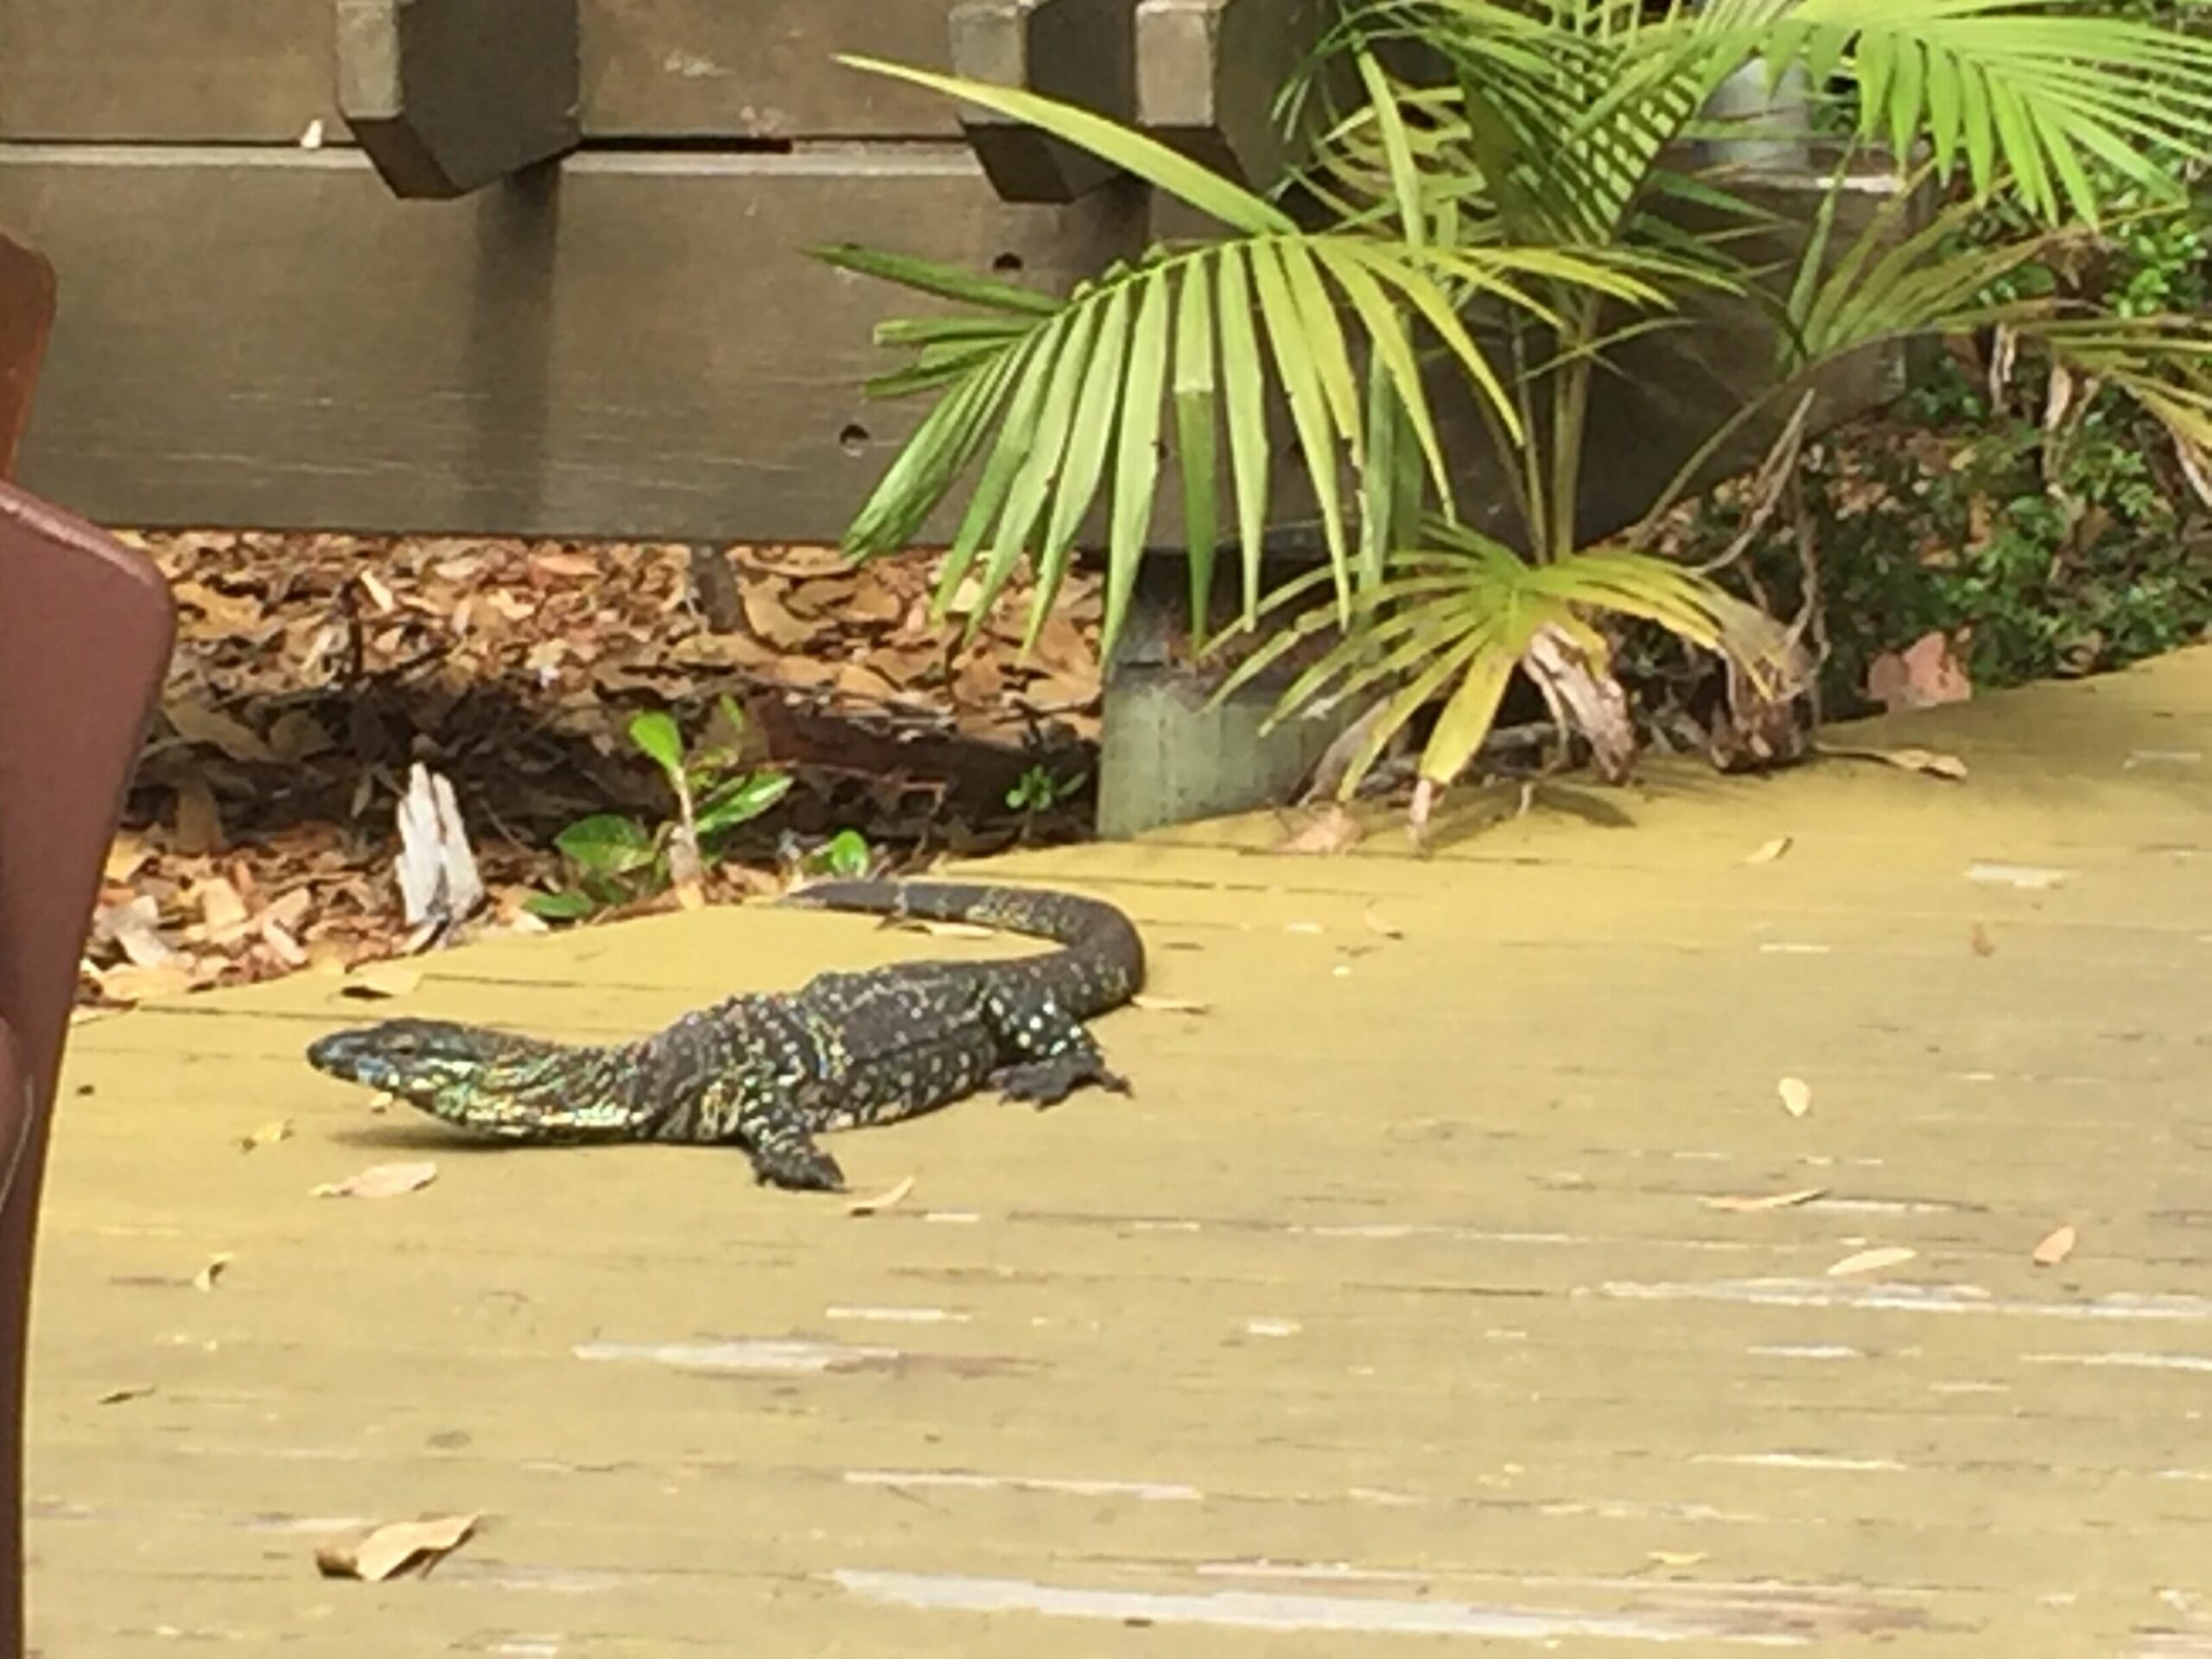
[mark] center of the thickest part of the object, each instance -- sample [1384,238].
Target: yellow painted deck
[1387,1317]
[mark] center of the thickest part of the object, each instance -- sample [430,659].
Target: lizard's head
[450,1070]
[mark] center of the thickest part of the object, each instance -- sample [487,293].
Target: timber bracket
[448,95]
[1202,75]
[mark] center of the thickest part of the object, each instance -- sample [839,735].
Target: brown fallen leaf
[1749,1206]
[196,722]
[129,1391]
[378,980]
[206,1278]
[379,596]
[1169,1004]
[766,613]
[222,907]
[573,566]
[876,1202]
[393,1549]
[298,736]
[1796,1096]
[1874,1261]
[1982,945]
[1767,852]
[379,1181]
[1333,829]
[1380,924]
[267,1136]
[125,858]
[2056,1248]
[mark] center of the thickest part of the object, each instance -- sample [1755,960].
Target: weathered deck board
[1387,1308]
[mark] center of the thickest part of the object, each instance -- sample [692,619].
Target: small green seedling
[846,854]
[1039,792]
[617,859]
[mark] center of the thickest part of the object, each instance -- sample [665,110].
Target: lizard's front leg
[778,1133]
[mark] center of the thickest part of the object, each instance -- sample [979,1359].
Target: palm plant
[1510,208]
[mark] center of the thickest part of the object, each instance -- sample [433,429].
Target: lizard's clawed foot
[1046,1082]
[797,1165]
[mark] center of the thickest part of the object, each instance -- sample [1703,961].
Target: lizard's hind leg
[1057,1054]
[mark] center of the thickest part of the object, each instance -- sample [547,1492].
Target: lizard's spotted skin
[768,1071]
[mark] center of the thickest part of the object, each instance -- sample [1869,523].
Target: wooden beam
[308,352]
[25,314]
[261,71]
[447,95]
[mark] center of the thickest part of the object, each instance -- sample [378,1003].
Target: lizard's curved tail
[1101,941]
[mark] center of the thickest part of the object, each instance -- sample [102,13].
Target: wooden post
[448,95]
[1168,751]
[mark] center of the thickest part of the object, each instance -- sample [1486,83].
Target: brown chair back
[85,628]
[25,314]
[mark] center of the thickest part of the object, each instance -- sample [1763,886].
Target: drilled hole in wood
[854,439]
[1006,263]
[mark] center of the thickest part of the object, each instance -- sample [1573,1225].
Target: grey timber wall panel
[642,350]
[259,71]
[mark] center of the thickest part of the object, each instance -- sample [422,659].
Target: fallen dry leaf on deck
[379,1181]
[1769,851]
[2029,878]
[1169,1004]
[206,1278]
[147,984]
[1377,922]
[1742,1206]
[1333,829]
[128,1391]
[267,1136]
[1796,1096]
[1888,1255]
[136,927]
[2055,1249]
[393,1549]
[382,979]
[1930,762]
[222,907]
[879,1201]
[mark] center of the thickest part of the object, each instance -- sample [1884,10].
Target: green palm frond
[1454,619]
[1056,398]
[2028,89]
